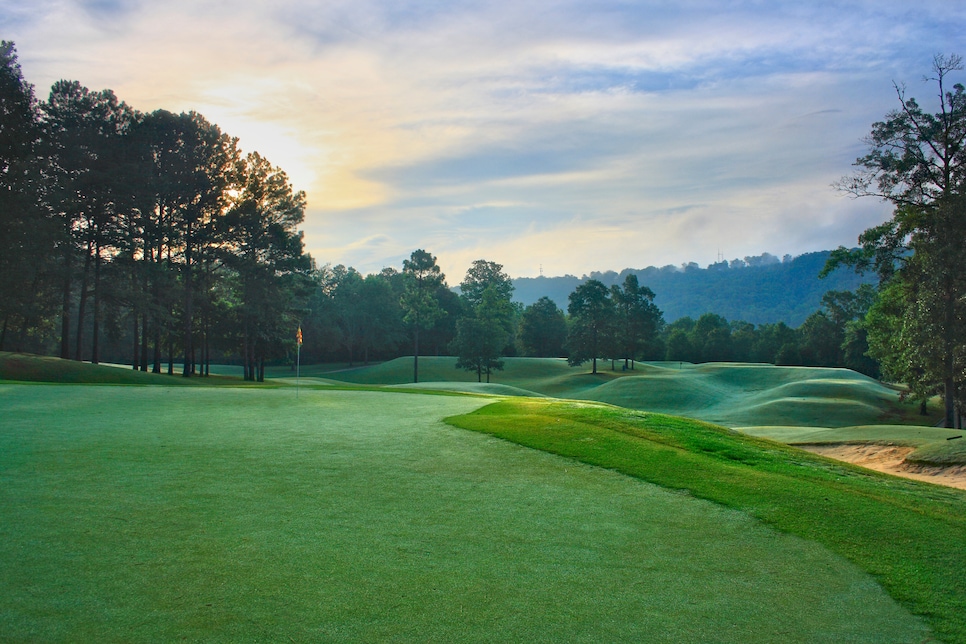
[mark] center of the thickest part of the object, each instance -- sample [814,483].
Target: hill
[759,290]
[731,394]
[26,367]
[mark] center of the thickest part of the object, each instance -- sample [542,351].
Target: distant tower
[720,256]
[541,270]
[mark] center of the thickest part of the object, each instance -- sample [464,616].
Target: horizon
[547,136]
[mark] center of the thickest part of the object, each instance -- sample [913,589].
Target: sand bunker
[891,459]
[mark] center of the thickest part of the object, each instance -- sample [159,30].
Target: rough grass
[162,514]
[909,535]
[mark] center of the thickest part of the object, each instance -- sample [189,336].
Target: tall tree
[638,318]
[482,335]
[263,246]
[591,323]
[847,310]
[917,161]
[89,131]
[198,173]
[482,275]
[543,329]
[381,317]
[419,300]
[821,340]
[27,238]
[348,307]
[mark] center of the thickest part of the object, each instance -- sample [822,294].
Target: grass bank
[24,367]
[908,535]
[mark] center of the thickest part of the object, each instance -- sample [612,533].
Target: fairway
[157,514]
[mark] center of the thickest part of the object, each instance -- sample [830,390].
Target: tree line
[357,318]
[154,223]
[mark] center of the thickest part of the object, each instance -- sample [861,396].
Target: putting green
[155,514]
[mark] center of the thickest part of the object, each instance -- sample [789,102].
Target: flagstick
[298,368]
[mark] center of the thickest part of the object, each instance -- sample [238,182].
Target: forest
[760,289]
[150,239]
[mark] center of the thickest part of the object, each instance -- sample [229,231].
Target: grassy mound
[909,435]
[936,446]
[31,368]
[484,388]
[940,454]
[219,514]
[730,394]
[744,395]
[906,534]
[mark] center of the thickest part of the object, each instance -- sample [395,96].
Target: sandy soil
[891,459]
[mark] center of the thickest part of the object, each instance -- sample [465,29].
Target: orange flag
[298,335]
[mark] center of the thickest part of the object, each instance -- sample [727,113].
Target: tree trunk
[95,339]
[156,313]
[247,358]
[21,335]
[144,342]
[3,332]
[416,353]
[65,310]
[188,287]
[156,358]
[949,393]
[82,306]
[137,342]
[206,352]
[949,343]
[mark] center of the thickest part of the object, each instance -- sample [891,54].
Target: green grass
[735,395]
[144,514]
[940,454]
[24,367]
[885,434]
[933,444]
[908,535]
[731,394]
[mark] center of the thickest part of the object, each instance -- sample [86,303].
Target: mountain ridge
[762,289]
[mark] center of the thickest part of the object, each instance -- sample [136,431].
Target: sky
[550,137]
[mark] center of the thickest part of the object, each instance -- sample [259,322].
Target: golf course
[668,503]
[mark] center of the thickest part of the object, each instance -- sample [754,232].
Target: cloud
[581,136]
